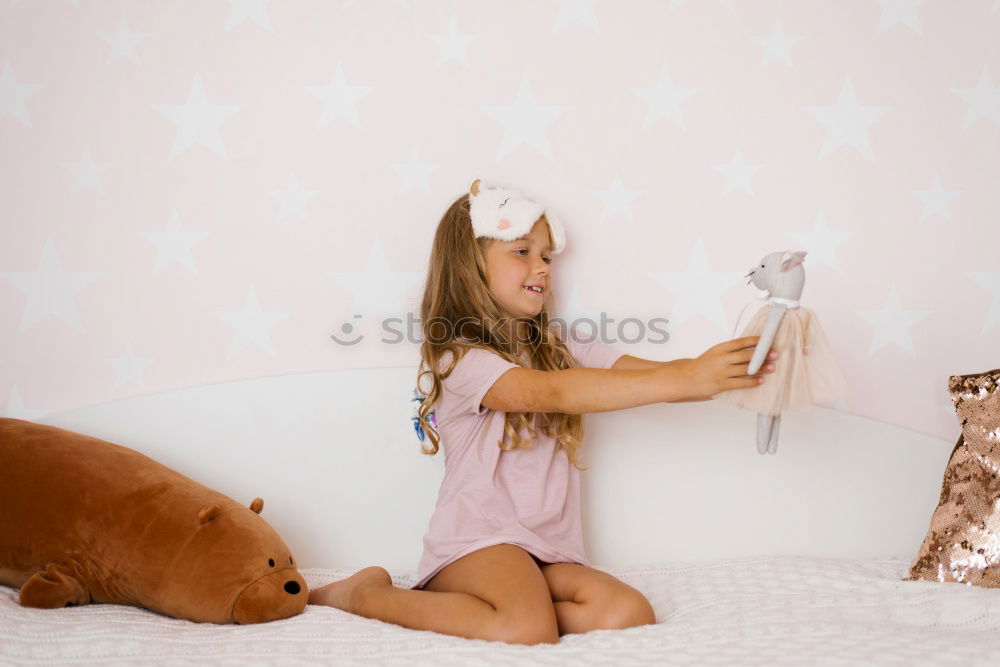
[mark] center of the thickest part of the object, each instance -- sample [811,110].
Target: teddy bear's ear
[208,512]
[474,189]
[257,505]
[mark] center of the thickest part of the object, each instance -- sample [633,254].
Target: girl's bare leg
[496,593]
[371,593]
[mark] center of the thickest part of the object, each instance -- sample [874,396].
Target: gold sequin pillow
[963,543]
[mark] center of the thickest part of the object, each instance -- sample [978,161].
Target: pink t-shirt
[528,497]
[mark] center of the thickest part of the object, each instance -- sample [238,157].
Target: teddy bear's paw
[55,586]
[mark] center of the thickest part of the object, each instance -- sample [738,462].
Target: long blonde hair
[456,297]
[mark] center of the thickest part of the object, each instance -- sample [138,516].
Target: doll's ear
[789,260]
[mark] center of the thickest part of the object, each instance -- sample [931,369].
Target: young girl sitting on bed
[503,555]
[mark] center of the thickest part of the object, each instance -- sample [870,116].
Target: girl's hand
[722,367]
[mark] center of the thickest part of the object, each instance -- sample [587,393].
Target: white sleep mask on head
[505,214]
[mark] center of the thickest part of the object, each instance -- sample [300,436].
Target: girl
[503,555]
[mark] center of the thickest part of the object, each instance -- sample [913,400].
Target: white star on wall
[415,173]
[339,98]
[617,200]
[821,243]
[123,42]
[698,290]
[377,290]
[524,121]
[728,4]
[174,244]
[664,100]
[15,407]
[241,10]
[900,11]
[776,45]
[72,2]
[86,172]
[573,310]
[252,325]
[738,174]
[983,100]
[453,45]
[936,200]
[847,123]
[402,3]
[892,323]
[50,289]
[989,281]
[197,121]
[293,199]
[13,95]
[128,368]
[571,11]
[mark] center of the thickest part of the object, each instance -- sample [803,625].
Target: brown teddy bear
[84,520]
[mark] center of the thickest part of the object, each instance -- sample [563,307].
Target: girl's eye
[547,259]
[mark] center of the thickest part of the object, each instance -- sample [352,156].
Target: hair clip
[431,418]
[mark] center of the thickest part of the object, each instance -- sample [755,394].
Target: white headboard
[334,457]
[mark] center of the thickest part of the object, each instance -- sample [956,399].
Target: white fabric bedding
[777,610]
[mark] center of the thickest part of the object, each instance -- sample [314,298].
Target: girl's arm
[627,362]
[582,390]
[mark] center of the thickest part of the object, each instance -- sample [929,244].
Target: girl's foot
[345,594]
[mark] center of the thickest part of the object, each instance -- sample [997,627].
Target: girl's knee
[539,627]
[628,610]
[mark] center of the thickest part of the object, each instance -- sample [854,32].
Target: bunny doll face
[780,273]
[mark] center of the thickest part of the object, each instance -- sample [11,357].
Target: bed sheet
[775,610]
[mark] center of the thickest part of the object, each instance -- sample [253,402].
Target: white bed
[787,559]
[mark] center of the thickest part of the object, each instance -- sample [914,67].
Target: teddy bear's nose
[292,587]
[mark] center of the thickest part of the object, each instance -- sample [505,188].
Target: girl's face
[514,266]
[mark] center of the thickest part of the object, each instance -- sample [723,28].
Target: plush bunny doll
[805,371]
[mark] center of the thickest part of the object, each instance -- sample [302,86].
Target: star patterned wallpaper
[197,192]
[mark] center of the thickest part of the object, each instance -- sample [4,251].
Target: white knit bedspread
[784,610]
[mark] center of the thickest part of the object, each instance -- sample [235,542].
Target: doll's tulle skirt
[805,372]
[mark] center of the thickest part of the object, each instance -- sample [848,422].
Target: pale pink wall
[204,191]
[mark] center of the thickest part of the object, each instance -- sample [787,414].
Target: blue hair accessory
[431,418]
